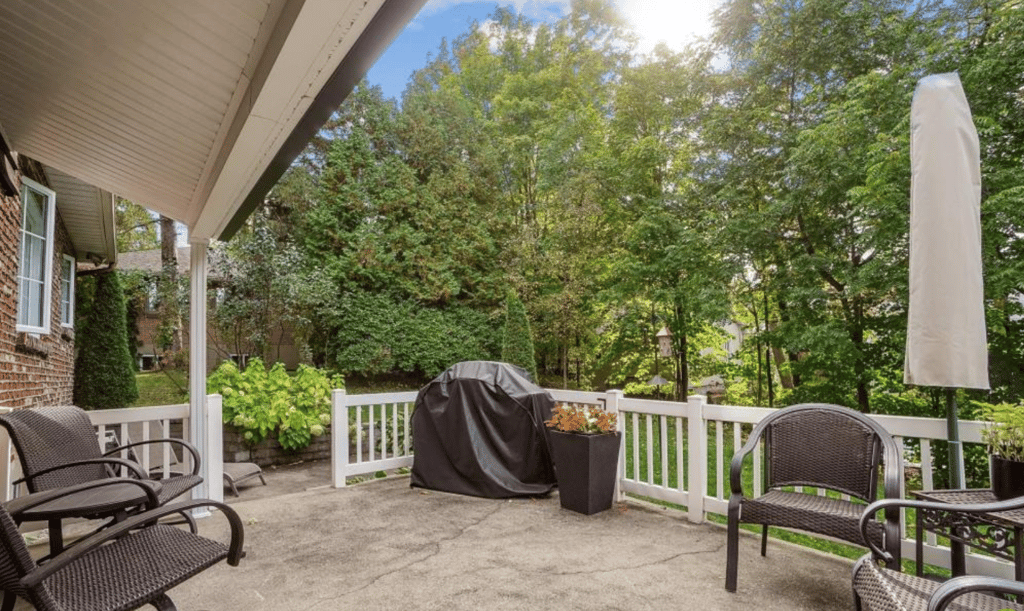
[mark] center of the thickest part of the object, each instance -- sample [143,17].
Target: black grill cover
[478,429]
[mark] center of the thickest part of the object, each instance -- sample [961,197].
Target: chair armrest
[887,504]
[181,442]
[948,591]
[131,466]
[83,547]
[736,465]
[16,507]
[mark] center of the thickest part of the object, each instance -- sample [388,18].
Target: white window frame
[67,308]
[50,213]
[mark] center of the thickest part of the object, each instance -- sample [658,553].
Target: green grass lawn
[161,388]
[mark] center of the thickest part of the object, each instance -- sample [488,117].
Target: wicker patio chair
[878,588]
[58,447]
[131,564]
[819,446]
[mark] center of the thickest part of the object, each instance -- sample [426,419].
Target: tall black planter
[586,468]
[1007,477]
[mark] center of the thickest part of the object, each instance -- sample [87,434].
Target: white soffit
[87,213]
[179,106]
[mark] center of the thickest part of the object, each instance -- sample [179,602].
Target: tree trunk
[171,316]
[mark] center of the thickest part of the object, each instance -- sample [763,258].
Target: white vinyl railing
[677,452]
[121,426]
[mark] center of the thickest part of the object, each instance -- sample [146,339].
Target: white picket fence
[665,454]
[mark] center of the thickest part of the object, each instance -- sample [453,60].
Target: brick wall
[34,370]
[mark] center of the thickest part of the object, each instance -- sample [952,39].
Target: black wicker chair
[877,588]
[58,447]
[131,564]
[819,446]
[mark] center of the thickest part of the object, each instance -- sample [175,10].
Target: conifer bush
[104,367]
[517,346]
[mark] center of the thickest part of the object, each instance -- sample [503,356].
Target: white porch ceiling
[191,108]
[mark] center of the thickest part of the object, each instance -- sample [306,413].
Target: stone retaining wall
[269,451]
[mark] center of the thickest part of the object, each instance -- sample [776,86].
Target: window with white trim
[67,291]
[35,259]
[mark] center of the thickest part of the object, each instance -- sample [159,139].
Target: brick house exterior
[34,369]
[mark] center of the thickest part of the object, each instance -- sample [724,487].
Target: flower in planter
[581,418]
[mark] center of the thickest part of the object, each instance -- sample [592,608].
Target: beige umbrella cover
[946,343]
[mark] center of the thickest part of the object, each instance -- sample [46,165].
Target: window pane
[66,278]
[30,306]
[35,212]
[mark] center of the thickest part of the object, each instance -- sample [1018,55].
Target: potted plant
[585,448]
[1005,438]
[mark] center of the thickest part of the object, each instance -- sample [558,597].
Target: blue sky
[675,22]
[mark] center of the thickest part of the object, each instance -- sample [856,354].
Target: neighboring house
[218,348]
[48,222]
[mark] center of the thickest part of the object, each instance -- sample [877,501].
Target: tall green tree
[104,370]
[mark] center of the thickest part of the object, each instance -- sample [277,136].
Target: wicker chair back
[827,449]
[47,437]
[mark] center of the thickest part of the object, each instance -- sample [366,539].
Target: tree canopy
[757,180]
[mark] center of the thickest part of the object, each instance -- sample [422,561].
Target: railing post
[339,437]
[213,453]
[697,442]
[612,398]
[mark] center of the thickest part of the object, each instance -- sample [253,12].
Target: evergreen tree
[104,375]
[517,346]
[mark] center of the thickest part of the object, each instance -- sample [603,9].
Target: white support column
[213,452]
[612,405]
[339,437]
[697,439]
[197,365]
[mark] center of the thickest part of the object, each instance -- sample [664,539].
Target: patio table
[113,501]
[996,533]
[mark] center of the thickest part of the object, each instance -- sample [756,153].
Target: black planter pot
[1007,477]
[586,468]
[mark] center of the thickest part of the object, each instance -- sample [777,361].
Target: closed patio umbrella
[946,343]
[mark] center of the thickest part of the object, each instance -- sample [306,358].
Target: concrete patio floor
[384,545]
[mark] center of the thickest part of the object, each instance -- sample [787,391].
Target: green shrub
[261,402]
[517,347]
[104,367]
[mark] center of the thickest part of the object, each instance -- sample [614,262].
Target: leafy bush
[261,402]
[104,369]
[1005,436]
[377,333]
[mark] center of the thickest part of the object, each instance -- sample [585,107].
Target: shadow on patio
[384,545]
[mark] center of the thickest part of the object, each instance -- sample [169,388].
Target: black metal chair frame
[882,589]
[78,577]
[815,465]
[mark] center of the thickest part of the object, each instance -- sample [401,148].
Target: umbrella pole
[956,456]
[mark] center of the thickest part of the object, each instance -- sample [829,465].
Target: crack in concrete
[436,545]
[665,560]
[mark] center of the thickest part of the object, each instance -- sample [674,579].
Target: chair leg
[732,549]
[163,603]
[764,539]
[9,600]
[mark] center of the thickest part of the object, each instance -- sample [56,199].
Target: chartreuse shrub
[260,402]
